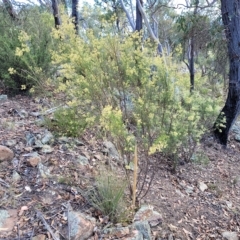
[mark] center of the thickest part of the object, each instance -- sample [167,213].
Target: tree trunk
[231,20]
[56,13]
[139,19]
[191,64]
[9,7]
[75,14]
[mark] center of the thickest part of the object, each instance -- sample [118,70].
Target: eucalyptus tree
[231,19]
[56,14]
[75,14]
[194,24]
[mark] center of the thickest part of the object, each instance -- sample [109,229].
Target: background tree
[56,13]
[75,14]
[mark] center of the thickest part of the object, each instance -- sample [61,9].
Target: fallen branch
[47,226]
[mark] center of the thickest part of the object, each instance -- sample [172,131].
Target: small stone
[82,160]
[202,186]
[146,213]
[28,189]
[23,113]
[230,235]
[180,193]
[35,114]
[189,190]
[81,226]
[39,237]
[6,154]
[144,228]
[47,149]
[38,144]
[11,143]
[237,137]
[111,150]
[33,161]
[63,140]
[16,177]
[79,143]
[117,232]
[43,170]
[30,138]
[134,235]
[3,98]
[170,237]
[48,137]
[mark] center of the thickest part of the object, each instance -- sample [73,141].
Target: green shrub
[67,121]
[25,50]
[134,95]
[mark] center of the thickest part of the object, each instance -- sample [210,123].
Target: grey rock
[11,143]
[30,138]
[23,113]
[202,186]
[48,137]
[180,193]
[189,189]
[63,139]
[43,170]
[35,114]
[125,233]
[111,150]
[3,216]
[16,177]
[3,98]
[230,235]
[81,226]
[146,213]
[237,137]
[144,228]
[79,143]
[135,235]
[47,149]
[38,144]
[170,237]
[15,162]
[236,127]
[82,160]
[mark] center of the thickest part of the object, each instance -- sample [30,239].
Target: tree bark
[56,13]
[75,14]
[139,19]
[231,20]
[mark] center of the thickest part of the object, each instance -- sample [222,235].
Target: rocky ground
[43,179]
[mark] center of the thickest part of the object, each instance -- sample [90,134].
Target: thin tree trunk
[191,64]
[139,19]
[231,20]
[75,14]
[56,13]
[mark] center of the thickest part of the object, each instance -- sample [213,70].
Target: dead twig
[4,183]
[40,216]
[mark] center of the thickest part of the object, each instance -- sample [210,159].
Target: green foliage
[25,49]
[108,196]
[133,94]
[67,121]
